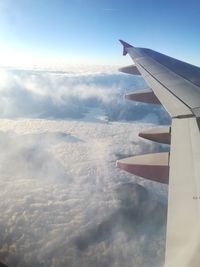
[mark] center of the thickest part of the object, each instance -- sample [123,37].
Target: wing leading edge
[176,84]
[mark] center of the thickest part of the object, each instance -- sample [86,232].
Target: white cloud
[65,94]
[62,200]
[62,196]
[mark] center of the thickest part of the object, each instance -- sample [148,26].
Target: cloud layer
[62,200]
[54,94]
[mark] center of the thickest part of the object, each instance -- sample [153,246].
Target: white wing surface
[176,85]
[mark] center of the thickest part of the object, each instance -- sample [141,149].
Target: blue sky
[87,31]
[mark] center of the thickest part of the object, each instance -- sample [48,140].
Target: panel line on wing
[164,86]
[180,87]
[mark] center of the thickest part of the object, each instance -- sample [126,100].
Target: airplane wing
[176,85]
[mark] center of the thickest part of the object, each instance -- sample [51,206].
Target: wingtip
[125,46]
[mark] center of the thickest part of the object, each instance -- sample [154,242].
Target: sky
[63,202]
[51,32]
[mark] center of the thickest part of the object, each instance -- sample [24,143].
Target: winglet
[125,45]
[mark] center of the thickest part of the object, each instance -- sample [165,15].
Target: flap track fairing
[145,96]
[154,167]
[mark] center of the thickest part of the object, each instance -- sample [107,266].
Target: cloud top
[63,202]
[71,95]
